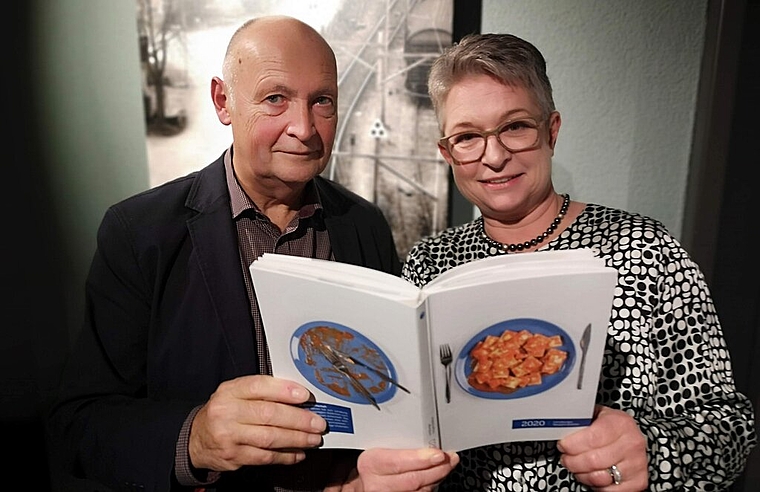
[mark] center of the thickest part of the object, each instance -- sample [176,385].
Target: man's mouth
[302,153]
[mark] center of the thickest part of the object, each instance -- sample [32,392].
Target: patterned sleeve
[182,466]
[699,429]
[415,269]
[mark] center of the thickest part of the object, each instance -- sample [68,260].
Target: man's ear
[555,121]
[221,100]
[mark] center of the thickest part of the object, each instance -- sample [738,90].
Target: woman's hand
[613,438]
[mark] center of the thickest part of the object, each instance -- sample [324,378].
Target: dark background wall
[735,278]
[34,336]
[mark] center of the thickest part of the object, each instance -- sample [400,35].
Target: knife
[357,362]
[585,338]
[341,367]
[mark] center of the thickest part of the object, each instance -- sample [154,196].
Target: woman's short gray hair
[506,57]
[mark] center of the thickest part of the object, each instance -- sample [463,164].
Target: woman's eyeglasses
[515,135]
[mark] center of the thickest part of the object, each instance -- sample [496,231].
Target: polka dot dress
[666,361]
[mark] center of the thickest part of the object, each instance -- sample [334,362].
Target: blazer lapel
[344,240]
[215,244]
[344,237]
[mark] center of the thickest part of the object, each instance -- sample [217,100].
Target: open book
[501,349]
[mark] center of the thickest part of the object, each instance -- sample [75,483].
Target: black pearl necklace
[511,248]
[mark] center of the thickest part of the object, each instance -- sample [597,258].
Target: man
[168,385]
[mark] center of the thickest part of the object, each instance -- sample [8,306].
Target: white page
[292,305]
[354,276]
[565,301]
[513,260]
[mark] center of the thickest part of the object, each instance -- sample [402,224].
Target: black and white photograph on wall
[385,146]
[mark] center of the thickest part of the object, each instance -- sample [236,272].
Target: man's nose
[302,122]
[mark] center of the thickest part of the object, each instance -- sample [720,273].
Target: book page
[472,271]
[351,276]
[499,405]
[305,310]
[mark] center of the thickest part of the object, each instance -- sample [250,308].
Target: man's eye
[275,98]
[324,101]
[324,106]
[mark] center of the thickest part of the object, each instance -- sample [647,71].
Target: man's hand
[613,438]
[253,420]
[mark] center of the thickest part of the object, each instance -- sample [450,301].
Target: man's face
[284,112]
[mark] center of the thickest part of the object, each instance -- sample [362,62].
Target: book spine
[428,400]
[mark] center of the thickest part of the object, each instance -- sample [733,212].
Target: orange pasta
[514,360]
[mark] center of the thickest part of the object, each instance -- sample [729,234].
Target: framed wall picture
[385,148]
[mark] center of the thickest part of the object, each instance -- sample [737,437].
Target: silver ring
[615,474]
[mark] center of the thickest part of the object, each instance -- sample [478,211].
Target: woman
[668,413]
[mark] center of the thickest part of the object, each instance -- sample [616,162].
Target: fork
[357,362]
[338,364]
[446,359]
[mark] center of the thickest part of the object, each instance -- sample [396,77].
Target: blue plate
[318,371]
[463,366]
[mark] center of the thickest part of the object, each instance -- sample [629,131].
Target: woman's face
[504,185]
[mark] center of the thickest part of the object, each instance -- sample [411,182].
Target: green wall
[86,58]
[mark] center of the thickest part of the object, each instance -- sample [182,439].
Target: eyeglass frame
[444,141]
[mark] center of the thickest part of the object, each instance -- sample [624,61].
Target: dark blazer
[167,319]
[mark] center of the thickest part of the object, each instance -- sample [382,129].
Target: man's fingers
[282,416]
[226,444]
[265,388]
[277,438]
[242,455]
[254,420]
[260,424]
[263,400]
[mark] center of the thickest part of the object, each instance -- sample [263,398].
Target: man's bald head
[261,33]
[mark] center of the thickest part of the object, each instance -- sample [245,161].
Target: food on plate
[514,360]
[345,342]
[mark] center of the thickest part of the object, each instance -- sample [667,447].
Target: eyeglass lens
[514,135]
